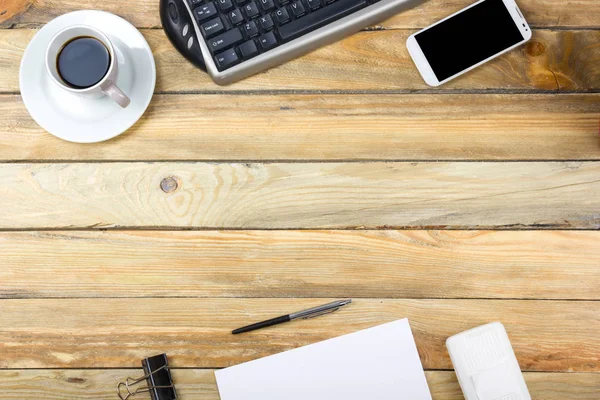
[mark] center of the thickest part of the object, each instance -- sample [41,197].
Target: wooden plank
[331,127]
[200,384]
[144,13]
[98,333]
[301,195]
[399,264]
[564,60]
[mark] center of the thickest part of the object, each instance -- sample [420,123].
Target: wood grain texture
[358,264]
[98,333]
[374,61]
[302,195]
[227,274]
[331,127]
[144,13]
[194,384]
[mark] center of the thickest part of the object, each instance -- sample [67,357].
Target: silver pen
[305,314]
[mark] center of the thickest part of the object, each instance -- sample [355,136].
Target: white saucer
[85,120]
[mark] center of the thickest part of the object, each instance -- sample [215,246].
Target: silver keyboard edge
[325,35]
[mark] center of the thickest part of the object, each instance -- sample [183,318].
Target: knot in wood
[169,184]
[535,49]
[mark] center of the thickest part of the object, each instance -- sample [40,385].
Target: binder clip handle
[158,378]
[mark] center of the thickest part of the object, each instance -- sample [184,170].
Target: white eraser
[485,364]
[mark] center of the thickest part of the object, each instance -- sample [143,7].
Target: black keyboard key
[194,3]
[225,5]
[250,29]
[205,12]
[297,9]
[236,17]
[267,41]
[314,4]
[266,22]
[281,16]
[212,27]
[251,10]
[226,59]
[267,5]
[319,18]
[225,40]
[248,49]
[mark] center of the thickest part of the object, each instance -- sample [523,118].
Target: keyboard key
[205,12]
[248,49]
[225,5]
[281,16]
[266,22]
[250,29]
[267,41]
[236,17]
[314,4]
[297,9]
[225,40]
[251,10]
[212,27]
[267,5]
[226,59]
[319,18]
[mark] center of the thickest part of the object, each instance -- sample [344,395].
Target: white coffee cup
[107,85]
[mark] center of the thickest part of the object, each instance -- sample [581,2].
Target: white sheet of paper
[380,363]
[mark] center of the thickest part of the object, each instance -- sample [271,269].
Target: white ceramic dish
[85,120]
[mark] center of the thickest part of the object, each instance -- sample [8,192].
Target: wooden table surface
[340,174]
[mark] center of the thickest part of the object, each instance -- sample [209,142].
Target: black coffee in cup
[83,62]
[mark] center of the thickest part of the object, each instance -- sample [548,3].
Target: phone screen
[468,38]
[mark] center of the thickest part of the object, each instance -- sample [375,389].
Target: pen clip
[321,313]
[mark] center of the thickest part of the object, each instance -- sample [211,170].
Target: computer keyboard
[237,38]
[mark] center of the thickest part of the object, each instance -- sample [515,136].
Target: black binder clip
[158,380]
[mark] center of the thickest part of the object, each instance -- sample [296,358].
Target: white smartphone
[467,39]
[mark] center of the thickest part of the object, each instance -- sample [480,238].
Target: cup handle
[112,91]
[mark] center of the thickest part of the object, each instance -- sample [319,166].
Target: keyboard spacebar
[319,18]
